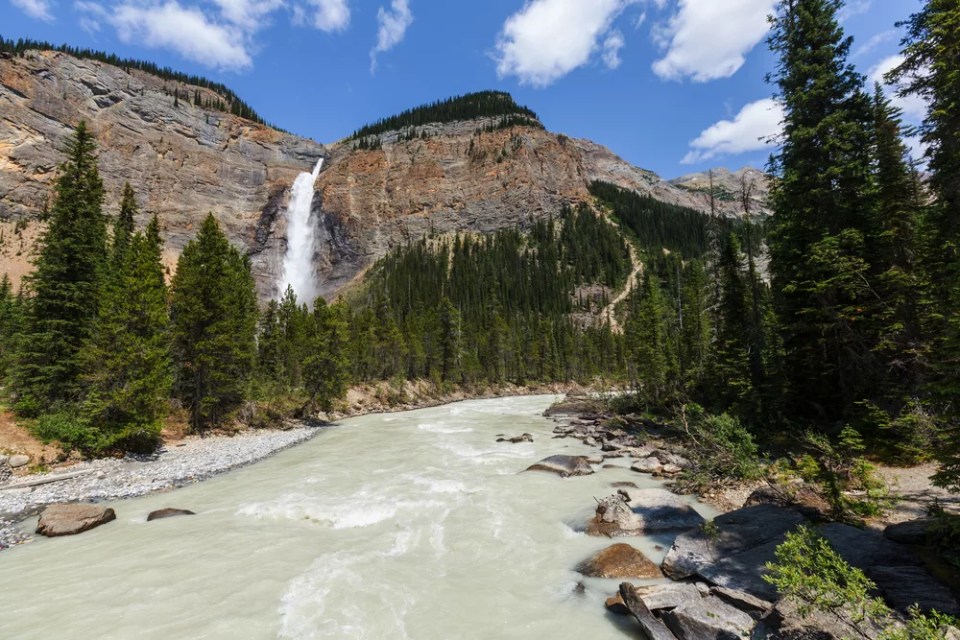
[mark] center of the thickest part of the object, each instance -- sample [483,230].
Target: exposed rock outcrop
[71,519]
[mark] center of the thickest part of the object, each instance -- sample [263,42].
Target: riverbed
[413,525]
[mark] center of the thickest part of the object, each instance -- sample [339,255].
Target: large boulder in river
[564,466]
[648,511]
[620,561]
[71,519]
[159,514]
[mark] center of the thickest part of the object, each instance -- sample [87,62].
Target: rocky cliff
[182,160]
[185,161]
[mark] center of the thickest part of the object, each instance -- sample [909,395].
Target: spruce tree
[650,345]
[731,379]
[214,321]
[8,325]
[65,286]
[820,201]
[326,366]
[123,226]
[130,355]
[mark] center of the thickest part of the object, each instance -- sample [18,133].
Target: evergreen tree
[450,341]
[820,202]
[214,321]
[694,326]
[9,325]
[123,226]
[326,367]
[65,286]
[130,355]
[650,345]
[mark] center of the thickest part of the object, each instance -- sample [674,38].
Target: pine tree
[214,321]
[650,345]
[65,286]
[731,380]
[326,367]
[820,202]
[450,340]
[130,355]
[9,325]
[123,226]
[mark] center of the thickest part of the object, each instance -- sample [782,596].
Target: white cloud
[874,42]
[548,39]
[330,15]
[854,8]
[611,49]
[393,25]
[39,9]
[754,128]
[914,107]
[186,30]
[708,39]
[248,14]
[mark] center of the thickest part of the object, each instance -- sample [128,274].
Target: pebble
[137,475]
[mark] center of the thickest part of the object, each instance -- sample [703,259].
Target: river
[412,525]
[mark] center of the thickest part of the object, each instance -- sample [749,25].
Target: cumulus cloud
[914,107]
[39,9]
[707,40]
[248,14]
[611,49]
[186,30]
[548,39]
[330,15]
[754,128]
[392,27]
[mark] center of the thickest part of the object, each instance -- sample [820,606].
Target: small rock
[168,513]
[647,465]
[670,469]
[615,605]
[71,519]
[18,461]
[526,437]
[620,561]
[564,466]
[624,485]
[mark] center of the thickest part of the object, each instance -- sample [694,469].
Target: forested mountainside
[475,163]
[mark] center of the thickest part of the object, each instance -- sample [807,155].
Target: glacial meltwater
[411,525]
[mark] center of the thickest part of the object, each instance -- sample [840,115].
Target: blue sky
[671,85]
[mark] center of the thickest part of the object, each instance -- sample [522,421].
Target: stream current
[412,525]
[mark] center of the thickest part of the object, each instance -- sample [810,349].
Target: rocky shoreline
[116,479]
[711,579]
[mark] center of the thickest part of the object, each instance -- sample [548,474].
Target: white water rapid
[413,525]
[301,239]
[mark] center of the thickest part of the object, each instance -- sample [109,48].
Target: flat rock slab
[708,617]
[670,595]
[168,513]
[902,587]
[865,549]
[71,519]
[911,532]
[564,466]
[620,561]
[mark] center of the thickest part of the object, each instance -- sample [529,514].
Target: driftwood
[47,480]
[651,626]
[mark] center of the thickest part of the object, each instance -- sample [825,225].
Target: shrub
[71,431]
[725,449]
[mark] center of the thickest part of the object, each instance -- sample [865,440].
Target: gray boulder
[651,626]
[911,532]
[168,513]
[647,465]
[564,466]
[649,510]
[708,618]
[903,587]
[669,595]
[18,461]
[71,519]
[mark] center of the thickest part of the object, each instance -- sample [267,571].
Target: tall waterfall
[301,235]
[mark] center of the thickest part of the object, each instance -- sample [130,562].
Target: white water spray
[301,239]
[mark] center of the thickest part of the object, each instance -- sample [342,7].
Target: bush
[725,449]
[71,431]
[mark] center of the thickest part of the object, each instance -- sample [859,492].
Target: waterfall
[301,239]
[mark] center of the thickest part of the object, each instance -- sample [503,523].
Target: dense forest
[483,104]
[230,102]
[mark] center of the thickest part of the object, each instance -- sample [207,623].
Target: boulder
[71,519]
[564,466]
[668,595]
[865,549]
[650,510]
[667,457]
[18,461]
[734,553]
[670,469]
[647,465]
[651,626]
[620,561]
[756,607]
[903,587]
[168,513]
[526,437]
[708,617]
[911,532]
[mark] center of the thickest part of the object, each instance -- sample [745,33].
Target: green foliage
[817,579]
[214,321]
[73,432]
[326,368]
[66,286]
[725,449]
[229,101]
[484,104]
[922,626]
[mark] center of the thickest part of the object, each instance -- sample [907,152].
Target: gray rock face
[71,519]
[708,618]
[911,532]
[18,461]
[183,161]
[902,587]
[564,466]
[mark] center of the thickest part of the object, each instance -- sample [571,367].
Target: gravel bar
[116,479]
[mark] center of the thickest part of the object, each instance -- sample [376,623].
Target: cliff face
[183,161]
